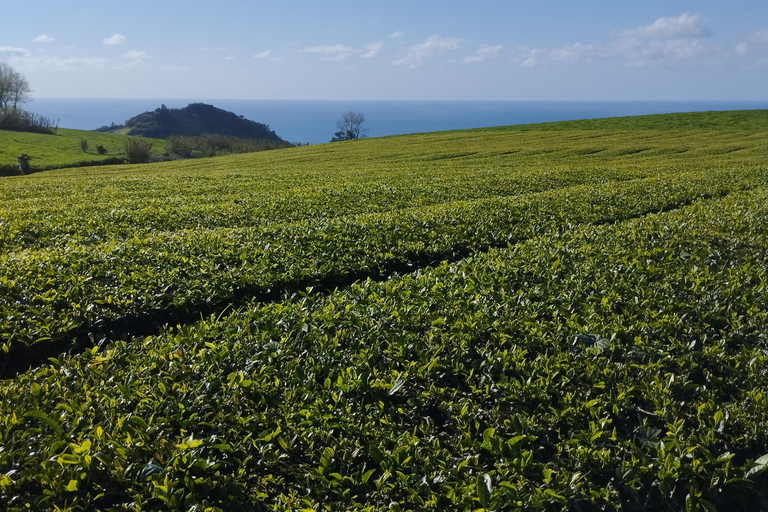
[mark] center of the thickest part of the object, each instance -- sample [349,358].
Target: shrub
[101,150]
[84,145]
[138,151]
[23,121]
[23,160]
[215,145]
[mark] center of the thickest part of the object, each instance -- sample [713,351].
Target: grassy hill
[752,120]
[193,120]
[567,316]
[62,149]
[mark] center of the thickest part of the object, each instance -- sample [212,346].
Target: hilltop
[194,119]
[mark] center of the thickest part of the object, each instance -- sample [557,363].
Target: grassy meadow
[62,148]
[557,317]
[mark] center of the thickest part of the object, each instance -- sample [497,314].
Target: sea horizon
[314,121]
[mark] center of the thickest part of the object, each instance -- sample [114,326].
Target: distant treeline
[201,146]
[19,120]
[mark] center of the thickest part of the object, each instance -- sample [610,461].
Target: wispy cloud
[416,56]
[665,40]
[115,40]
[133,59]
[484,53]
[373,49]
[44,38]
[35,62]
[760,36]
[13,49]
[397,34]
[135,55]
[756,39]
[685,25]
[267,54]
[26,60]
[537,57]
[336,52]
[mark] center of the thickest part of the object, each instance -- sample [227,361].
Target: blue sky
[447,50]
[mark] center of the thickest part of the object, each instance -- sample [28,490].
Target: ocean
[314,122]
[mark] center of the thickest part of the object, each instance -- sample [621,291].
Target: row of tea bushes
[50,296]
[618,366]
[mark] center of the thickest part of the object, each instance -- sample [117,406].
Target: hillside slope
[194,119]
[62,149]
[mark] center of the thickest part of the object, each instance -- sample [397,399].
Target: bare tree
[5,83]
[20,90]
[14,88]
[350,127]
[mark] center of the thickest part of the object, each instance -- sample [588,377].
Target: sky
[394,50]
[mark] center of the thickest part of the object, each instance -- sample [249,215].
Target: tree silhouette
[14,88]
[350,127]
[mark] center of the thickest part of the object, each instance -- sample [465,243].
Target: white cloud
[336,52]
[341,52]
[685,25]
[666,40]
[44,38]
[30,62]
[135,55]
[631,52]
[397,34]
[267,54]
[578,52]
[484,53]
[133,59]
[761,36]
[373,49]
[13,49]
[328,49]
[416,56]
[756,38]
[115,40]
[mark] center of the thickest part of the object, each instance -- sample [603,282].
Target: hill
[194,119]
[545,318]
[63,149]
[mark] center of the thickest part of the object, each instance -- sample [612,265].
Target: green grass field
[63,148]
[566,316]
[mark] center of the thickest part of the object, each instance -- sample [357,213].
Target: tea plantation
[556,317]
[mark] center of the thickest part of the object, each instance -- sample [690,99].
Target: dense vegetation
[552,317]
[193,120]
[203,146]
[20,120]
[14,92]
